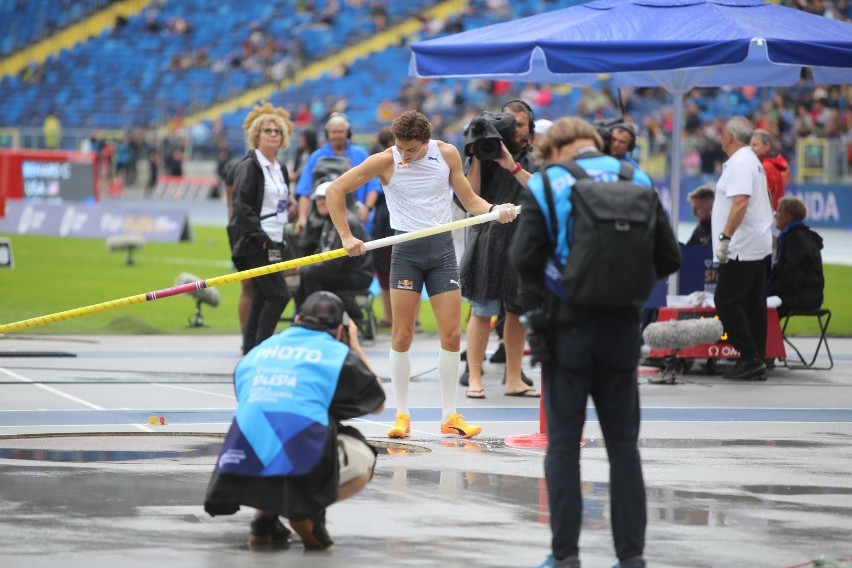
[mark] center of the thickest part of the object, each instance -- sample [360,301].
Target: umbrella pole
[677,166]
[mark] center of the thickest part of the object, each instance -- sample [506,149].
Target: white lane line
[52,428]
[21,378]
[230,396]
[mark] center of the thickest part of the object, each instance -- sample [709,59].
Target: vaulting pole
[245,274]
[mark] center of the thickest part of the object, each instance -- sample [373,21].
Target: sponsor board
[76,220]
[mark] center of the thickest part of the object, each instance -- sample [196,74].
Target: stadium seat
[361,302]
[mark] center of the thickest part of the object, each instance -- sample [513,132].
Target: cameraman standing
[620,142]
[588,351]
[487,280]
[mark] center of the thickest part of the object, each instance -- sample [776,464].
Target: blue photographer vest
[284,388]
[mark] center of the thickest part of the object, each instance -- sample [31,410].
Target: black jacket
[244,231]
[797,276]
[702,235]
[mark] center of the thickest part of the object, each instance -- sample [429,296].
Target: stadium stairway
[70,36]
[316,70]
[125,77]
[120,79]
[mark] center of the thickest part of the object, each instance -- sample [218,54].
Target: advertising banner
[94,221]
[829,206]
[50,175]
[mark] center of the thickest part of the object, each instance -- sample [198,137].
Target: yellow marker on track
[243,275]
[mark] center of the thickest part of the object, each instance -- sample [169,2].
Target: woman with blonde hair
[256,228]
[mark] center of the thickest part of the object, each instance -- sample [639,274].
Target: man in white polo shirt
[742,223]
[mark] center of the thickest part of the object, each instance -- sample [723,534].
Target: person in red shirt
[776,167]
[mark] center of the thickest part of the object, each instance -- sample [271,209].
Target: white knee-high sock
[448,376]
[400,374]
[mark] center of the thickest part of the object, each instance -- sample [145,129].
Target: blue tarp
[674,44]
[641,42]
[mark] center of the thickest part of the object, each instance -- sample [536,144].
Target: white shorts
[356,458]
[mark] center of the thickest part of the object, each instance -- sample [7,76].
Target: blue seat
[95,76]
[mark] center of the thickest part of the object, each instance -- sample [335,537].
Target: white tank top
[418,195]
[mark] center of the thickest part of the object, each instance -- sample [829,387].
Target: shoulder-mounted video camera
[483,135]
[605,128]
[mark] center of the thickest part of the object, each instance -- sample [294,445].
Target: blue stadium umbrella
[675,44]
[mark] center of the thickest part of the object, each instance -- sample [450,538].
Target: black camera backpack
[329,168]
[611,239]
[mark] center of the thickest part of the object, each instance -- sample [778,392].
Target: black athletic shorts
[427,260]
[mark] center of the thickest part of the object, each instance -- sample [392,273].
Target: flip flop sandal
[527,393]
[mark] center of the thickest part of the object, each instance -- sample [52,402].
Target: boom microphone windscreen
[677,334]
[209,296]
[127,242]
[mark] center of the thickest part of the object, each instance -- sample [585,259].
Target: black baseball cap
[323,310]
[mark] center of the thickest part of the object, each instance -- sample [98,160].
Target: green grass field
[54,274]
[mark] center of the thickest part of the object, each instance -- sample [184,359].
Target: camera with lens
[344,333]
[483,135]
[537,322]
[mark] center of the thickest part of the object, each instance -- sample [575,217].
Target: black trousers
[269,297]
[597,356]
[741,304]
[329,277]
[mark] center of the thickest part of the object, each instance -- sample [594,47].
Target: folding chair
[823,340]
[361,302]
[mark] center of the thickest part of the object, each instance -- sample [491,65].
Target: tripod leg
[671,367]
[199,321]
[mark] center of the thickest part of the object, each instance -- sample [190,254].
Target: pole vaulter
[245,274]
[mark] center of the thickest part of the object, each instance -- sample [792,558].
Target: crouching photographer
[287,453]
[498,162]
